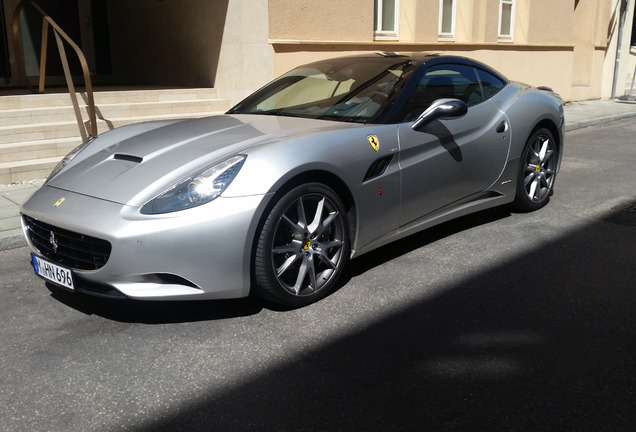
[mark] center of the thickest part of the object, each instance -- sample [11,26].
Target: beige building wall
[246,58]
[237,46]
[590,43]
[544,23]
[565,45]
[334,20]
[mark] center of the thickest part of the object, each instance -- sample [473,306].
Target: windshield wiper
[277,112]
[273,112]
[343,118]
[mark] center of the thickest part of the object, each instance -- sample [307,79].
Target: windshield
[348,89]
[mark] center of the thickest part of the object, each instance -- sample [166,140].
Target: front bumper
[199,253]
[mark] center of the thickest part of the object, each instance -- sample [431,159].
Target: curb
[595,121]
[12,241]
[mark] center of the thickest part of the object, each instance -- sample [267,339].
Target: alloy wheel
[539,168]
[308,244]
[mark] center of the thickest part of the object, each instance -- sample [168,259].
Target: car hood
[134,168]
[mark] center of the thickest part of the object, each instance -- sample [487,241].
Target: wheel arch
[553,128]
[328,179]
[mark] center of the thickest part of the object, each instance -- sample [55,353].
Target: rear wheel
[537,171]
[302,247]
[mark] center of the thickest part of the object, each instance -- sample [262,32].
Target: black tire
[537,171]
[302,247]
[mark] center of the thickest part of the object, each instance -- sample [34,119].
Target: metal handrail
[59,35]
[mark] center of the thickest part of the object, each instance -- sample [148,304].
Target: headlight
[68,158]
[197,189]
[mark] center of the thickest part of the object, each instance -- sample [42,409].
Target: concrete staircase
[36,131]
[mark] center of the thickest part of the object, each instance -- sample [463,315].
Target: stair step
[162,108]
[105,97]
[26,116]
[163,95]
[37,130]
[20,151]
[69,129]
[118,122]
[33,169]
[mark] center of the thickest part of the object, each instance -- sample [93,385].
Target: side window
[490,84]
[443,81]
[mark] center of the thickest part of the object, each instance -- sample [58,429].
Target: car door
[448,160]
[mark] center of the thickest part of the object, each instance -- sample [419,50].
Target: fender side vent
[377,168]
[129,158]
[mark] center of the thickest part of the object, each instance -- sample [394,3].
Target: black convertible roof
[428,58]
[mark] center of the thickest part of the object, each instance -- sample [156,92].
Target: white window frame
[511,24]
[448,36]
[381,33]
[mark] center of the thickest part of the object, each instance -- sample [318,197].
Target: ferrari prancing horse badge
[373,140]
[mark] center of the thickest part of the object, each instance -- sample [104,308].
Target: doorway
[84,21]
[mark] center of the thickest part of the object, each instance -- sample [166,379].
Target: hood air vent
[129,158]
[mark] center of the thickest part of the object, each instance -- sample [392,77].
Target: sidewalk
[577,115]
[588,113]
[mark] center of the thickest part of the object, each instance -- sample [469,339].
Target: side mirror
[443,109]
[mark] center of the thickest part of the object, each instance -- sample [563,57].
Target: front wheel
[537,171]
[302,247]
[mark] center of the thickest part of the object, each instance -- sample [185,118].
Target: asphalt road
[494,322]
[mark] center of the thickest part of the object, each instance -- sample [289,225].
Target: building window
[386,17]
[447,19]
[506,19]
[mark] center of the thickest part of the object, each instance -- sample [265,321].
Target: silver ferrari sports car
[329,161]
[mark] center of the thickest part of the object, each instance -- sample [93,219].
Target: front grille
[67,248]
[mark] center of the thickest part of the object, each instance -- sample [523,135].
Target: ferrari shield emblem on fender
[58,202]
[373,140]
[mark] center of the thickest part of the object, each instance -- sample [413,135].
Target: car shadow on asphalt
[542,342]
[415,241]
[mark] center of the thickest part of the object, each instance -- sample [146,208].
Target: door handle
[502,127]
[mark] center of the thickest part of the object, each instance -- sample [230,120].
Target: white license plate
[53,272]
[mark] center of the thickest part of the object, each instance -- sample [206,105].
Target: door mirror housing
[442,109]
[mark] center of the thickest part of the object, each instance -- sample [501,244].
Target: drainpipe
[631,89]
[623,11]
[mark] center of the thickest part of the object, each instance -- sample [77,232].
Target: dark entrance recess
[136,43]
[101,38]
[84,21]
[5,70]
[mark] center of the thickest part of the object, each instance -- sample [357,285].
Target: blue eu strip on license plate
[52,272]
